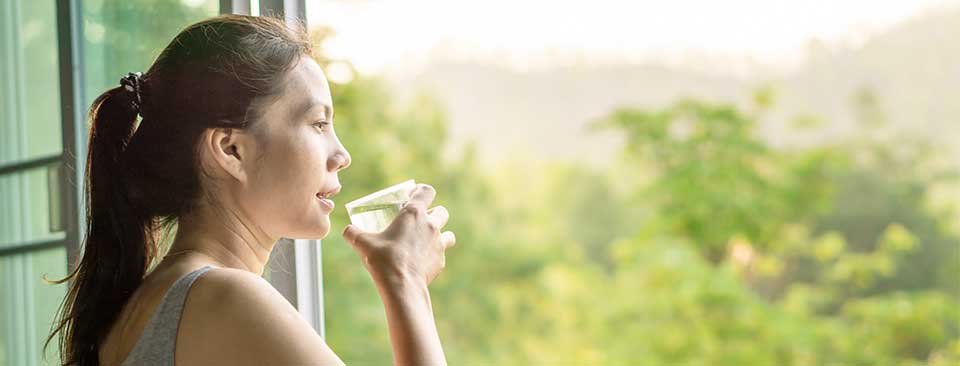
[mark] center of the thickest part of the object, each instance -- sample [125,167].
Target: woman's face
[298,156]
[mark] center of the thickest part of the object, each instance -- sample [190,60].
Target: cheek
[289,169]
[284,191]
[286,183]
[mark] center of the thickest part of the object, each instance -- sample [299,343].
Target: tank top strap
[157,343]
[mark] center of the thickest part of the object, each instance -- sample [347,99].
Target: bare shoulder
[234,317]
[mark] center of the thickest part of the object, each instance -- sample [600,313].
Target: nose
[339,161]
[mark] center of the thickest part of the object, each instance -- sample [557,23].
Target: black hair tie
[132,83]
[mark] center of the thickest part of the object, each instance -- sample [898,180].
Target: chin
[316,233]
[324,232]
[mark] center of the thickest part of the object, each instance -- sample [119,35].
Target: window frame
[64,221]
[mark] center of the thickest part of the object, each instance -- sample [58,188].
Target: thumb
[352,233]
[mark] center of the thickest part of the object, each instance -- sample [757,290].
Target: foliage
[703,245]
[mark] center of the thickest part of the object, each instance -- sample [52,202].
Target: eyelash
[322,124]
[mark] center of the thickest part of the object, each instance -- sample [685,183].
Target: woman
[236,146]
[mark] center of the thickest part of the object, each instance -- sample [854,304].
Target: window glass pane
[28,306]
[126,36]
[29,82]
[119,37]
[27,209]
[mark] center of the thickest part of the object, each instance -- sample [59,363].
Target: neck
[225,237]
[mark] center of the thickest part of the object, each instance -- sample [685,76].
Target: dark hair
[141,178]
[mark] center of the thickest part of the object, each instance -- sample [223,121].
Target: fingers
[448,239]
[438,216]
[351,233]
[422,197]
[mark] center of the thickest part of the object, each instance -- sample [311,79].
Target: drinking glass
[375,211]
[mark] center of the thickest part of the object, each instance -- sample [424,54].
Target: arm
[413,332]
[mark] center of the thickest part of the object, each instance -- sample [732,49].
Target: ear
[229,150]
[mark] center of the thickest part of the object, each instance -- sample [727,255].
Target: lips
[330,192]
[326,202]
[324,197]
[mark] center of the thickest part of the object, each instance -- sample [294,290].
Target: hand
[412,247]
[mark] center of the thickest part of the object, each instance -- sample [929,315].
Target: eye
[321,124]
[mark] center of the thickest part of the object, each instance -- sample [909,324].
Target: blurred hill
[910,74]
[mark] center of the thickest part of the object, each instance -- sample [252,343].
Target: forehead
[306,93]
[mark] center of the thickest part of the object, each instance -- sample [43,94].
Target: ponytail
[119,245]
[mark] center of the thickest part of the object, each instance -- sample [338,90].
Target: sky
[377,36]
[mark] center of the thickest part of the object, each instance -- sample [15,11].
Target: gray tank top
[156,345]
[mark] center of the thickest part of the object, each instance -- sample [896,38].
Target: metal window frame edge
[309,282]
[74,138]
[235,7]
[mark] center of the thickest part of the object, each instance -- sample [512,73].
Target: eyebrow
[309,105]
